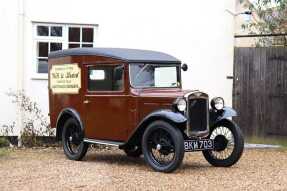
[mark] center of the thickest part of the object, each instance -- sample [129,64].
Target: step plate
[104,142]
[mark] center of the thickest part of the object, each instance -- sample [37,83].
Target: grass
[268,140]
[3,152]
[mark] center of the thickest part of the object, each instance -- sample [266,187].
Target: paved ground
[48,169]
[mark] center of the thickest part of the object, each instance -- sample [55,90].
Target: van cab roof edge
[129,55]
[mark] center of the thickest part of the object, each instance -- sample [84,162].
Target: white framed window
[50,37]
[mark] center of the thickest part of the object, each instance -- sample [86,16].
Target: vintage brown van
[133,99]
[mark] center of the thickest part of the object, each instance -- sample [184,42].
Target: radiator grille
[198,114]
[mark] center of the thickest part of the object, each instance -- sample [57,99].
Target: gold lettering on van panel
[65,79]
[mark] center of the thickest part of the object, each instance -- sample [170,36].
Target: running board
[104,142]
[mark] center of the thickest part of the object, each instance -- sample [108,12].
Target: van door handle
[86,101]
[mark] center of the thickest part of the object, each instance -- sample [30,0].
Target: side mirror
[184,67]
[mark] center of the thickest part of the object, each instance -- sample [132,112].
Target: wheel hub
[220,142]
[74,138]
[163,148]
[158,147]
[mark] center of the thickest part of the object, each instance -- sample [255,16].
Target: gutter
[20,65]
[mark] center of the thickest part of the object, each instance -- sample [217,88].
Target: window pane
[118,80]
[96,74]
[87,34]
[87,45]
[74,34]
[74,45]
[106,78]
[42,65]
[165,77]
[154,75]
[42,49]
[55,46]
[56,31]
[42,30]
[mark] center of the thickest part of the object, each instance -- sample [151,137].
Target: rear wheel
[162,146]
[228,143]
[72,138]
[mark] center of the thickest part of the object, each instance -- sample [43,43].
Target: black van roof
[129,55]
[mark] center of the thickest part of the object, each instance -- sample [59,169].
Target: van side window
[105,78]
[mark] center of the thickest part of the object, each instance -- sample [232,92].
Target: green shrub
[35,123]
[4,142]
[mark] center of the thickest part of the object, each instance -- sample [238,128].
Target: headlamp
[181,104]
[217,103]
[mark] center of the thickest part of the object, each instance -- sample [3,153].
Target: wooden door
[260,90]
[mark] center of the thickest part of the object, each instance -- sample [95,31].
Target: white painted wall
[199,33]
[8,53]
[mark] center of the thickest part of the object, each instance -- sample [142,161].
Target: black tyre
[72,139]
[134,151]
[228,142]
[162,146]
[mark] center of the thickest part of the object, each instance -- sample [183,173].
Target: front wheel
[162,146]
[72,138]
[228,144]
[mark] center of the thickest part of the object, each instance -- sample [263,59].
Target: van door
[106,102]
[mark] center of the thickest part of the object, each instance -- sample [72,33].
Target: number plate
[198,145]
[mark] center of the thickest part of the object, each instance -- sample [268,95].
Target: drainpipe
[20,66]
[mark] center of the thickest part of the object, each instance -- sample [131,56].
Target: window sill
[38,76]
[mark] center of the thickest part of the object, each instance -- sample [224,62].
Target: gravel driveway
[48,169]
